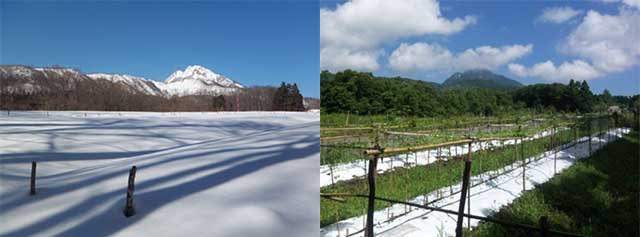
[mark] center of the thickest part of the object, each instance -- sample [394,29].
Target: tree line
[60,93]
[363,93]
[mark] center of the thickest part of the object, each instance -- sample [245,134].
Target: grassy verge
[598,196]
[406,183]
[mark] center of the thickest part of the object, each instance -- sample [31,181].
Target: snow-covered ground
[199,174]
[358,168]
[486,198]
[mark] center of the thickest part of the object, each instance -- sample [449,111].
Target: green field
[407,183]
[598,196]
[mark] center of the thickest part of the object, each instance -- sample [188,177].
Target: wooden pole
[463,192]
[129,210]
[331,171]
[524,164]
[371,177]
[555,153]
[589,126]
[33,178]
[544,226]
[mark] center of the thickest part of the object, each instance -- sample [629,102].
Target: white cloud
[558,14]
[343,58]
[360,26]
[420,56]
[426,57]
[577,70]
[632,3]
[610,42]
[605,44]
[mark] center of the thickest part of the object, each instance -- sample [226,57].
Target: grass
[597,196]
[406,183]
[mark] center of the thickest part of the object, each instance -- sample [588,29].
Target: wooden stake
[463,192]
[524,164]
[33,178]
[555,153]
[544,226]
[129,210]
[371,177]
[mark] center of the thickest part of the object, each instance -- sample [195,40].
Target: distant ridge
[193,80]
[480,78]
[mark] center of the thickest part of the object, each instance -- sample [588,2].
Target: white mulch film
[486,198]
[199,174]
[348,171]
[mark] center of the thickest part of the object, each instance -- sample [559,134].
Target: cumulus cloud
[631,3]
[577,70]
[343,58]
[558,14]
[604,43]
[610,42]
[360,26]
[427,57]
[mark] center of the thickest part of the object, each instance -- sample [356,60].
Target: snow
[138,83]
[193,80]
[348,171]
[200,73]
[199,174]
[486,198]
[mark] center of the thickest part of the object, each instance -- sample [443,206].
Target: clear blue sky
[254,43]
[500,23]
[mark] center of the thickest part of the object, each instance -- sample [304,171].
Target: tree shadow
[153,200]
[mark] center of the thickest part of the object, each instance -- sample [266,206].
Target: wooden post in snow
[463,191]
[371,178]
[129,210]
[33,178]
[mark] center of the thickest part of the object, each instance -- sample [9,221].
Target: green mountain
[480,78]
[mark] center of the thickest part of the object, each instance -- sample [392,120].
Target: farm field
[424,165]
[594,197]
[192,168]
[489,192]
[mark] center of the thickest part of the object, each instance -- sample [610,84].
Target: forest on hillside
[365,94]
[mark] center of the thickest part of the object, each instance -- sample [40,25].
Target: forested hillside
[363,93]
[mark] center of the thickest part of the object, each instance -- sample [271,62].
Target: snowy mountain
[197,79]
[193,80]
[29,79]
[139,84]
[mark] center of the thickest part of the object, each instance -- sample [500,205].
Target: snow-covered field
[486,198]
[199,174]
[358,168]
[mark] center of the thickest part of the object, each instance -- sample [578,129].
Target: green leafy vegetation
[598,196]
[408,182]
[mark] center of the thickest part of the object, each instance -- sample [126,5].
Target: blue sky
[254,43]
[516,31]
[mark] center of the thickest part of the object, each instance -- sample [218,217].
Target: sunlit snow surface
[486,198]
[199,174]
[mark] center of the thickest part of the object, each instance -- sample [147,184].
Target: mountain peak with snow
[203,74]
[196,79]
